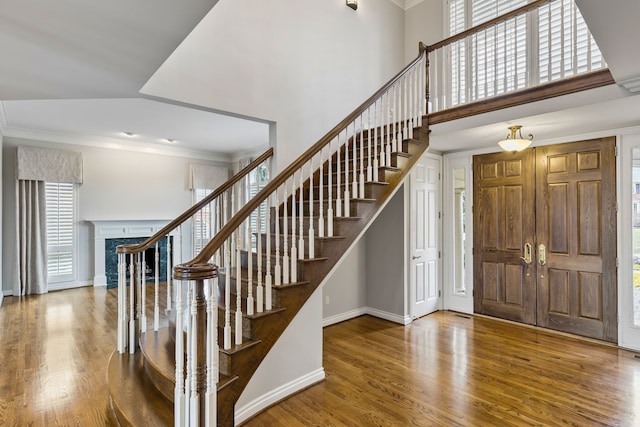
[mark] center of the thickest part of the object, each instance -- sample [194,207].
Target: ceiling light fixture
[514,140]
[353,4]
[129,134]
[170,140]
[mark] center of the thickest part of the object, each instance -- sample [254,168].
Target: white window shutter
[60,212]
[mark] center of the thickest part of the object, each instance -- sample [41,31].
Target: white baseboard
[72,285]
[396,318]
[344,316]
[276,395]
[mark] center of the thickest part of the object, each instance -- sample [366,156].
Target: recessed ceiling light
[129,134]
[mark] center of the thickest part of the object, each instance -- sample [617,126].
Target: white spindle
[338,188]
[347,197]
[156,285]
[250,300]
[268,279]
[285,257]
[142,277]
[179,393]
[354,166]
[259,288]
[169,268]
[122,302]
[392,127]
[369,135]
[330,188]
[277,273]
[362,170]
[238,317]
[311,196]
[132,299]
[227,295]
[375,176]
[194,399]
[300,219]
[210,409]
[321,192]
[294,251]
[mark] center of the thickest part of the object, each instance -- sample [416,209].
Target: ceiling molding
[632,84]
[114,144]
[399,3]
[408,4]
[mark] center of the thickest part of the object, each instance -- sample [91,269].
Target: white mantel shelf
[117,229]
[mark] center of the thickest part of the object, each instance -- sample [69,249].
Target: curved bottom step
[134,398]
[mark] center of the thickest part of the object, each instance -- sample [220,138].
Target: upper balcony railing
[542,43]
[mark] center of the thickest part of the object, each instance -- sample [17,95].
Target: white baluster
[294,251]
[179,393]
[210,408]
[194,399]
[338,188]
[362,171]
[321,193]
[156,302]
[268,279]
[238,288]
[227,295]
[277,273]
[392,127]
[369,135]
[300,220]
[285,257]
[347,196]
[259,288]
[354,166]
[250,300]
[233,235]
[385,133]
[311,230]
[410,96]
[330,199]
[122,304]
[421,90]
[143,291]
[169,268]
[132,299]
[375,176]
[405,116]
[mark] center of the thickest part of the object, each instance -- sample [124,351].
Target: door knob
[416,257]
[527,253]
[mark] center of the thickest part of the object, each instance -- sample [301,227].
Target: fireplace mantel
[115,229]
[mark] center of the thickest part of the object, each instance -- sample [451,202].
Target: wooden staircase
[142,384]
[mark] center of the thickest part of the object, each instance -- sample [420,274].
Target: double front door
[545,237]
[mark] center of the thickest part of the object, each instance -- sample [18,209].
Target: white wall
[303,65]
[117,185]
[423,23]
[1,228]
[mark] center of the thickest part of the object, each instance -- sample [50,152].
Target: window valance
[49,165]
[207,177]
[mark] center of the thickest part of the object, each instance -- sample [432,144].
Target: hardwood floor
[441,370]
[447,370]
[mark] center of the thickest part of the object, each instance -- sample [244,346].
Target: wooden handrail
[135,248]
[209,250]
[487,24]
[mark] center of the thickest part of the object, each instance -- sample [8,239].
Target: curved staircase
[143,384]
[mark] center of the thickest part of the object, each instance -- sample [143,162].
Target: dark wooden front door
[570,283]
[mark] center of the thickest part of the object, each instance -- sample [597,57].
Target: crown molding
[632,84]
[112,143]
[399,3]
[408,4]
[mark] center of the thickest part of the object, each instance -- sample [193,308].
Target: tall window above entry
[545,44]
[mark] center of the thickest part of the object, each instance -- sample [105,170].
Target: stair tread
[134,397]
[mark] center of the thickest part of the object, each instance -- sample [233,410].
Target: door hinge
[439,176]
[617,262]
[438,215]
[617,151]
[439,293]
[439,254]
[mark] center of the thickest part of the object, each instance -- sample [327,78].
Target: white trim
[112,143]
[400,3]
[3,118]
[392,317]
[351,314]
[277,394]
[632,84]
[408,4]
[69,285]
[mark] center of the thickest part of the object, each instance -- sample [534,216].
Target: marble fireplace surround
[118,229]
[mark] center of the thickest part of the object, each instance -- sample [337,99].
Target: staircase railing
[207,216]
[304,205]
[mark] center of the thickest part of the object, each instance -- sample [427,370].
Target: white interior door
[424,236]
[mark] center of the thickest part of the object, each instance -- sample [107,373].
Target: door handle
[416,257]
[527,253]
[542,255]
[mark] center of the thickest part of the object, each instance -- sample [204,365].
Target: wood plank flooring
[443,370]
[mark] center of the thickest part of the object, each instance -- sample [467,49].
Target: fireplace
[108,235]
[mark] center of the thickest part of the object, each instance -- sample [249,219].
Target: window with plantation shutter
[202,221]
[257,181]
[61,234]
[546,44]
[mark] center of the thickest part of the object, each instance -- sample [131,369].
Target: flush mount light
[129,134]
[514,140]
[353,4]
[170,140]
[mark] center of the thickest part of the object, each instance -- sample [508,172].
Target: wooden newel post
[195,384]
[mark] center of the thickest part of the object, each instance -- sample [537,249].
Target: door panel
[576,220]
[571,284]
[503,218]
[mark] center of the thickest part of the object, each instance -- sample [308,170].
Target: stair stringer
[316,273]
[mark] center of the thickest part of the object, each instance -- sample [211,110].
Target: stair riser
[245,288]
[339,225]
